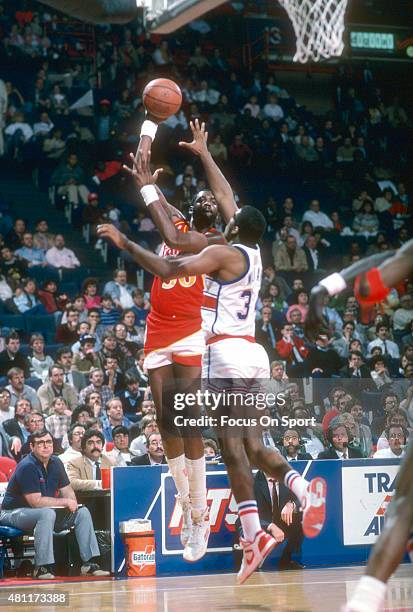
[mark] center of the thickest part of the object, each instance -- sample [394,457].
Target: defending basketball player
[233,283]
[372,285]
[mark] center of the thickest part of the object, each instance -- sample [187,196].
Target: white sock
[197,485]
[296,483]
[410,548]
[250,520]
[179,473]
[369,595]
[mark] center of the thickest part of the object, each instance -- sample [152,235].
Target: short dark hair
[13,335]
[39,434]
[380,325]
[62,351]
[89,433]
[120,429]
[77,411]
[251,224]
[71,430]
[357,353]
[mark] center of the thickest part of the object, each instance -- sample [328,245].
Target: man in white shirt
[317,217]
[387,346]
[403,315]
[6,410]
[119,290]
[272,109]
[397,437]
[61,257]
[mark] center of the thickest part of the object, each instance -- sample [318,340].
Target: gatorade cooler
[140,553]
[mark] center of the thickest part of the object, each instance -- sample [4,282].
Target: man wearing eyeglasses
[155,454]
[37,488]
[397,437]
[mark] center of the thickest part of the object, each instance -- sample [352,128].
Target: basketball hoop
[318,26]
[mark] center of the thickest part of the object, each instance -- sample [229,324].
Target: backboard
[166,16]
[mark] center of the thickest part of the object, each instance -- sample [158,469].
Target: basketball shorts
[187,351]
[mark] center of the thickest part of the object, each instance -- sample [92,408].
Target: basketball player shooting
[231,291]
[372,285]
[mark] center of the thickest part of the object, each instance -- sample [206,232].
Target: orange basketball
[162,98]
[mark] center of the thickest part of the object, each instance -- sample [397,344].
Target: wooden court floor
[322,590]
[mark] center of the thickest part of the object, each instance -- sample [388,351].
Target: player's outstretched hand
[110,232]
[140,170]
[315,322]
[199,144]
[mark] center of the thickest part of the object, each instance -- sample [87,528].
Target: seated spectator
[120,454]
[64,358]
[338,438]
[39,362]
[86,359]
[17,134]
[292,448]
[292,349]
[119,290]
[11,357]
[70,180]
[403,316]
[154,455]
[85,472]
[15,426]
[279,379]
[25,299]
[13,268]
[210,450]
[380,373]
[19,390]
[74,436]
[388,347]
[322,360]
[38,483]
[131,397]
[92,215]
[42,238]
[81,329]
[397,437]
[114,416]
[60,256]
[56,387]
[384,202]
[30,254]
[343,344]
[109,313]
[355,368]
[365,439]
[345,152]
[128,318]
[90,293]
[66,333]
[138,370]
[50,298]
[300,302]
[6,410]
[96,378]
[114,377]
[290,258]
[265,332]
[148,425]
[316,217]
[58,422]
[34,421]
[126,348]
[366,222]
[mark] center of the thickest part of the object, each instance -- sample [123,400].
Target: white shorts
[187,351]
[236,359]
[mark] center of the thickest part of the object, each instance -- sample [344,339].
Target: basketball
[162,98]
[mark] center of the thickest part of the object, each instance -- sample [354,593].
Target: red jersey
[175,305]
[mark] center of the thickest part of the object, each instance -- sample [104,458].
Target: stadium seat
[71,289]
[44,324]
[34,383]
[13,321]
[41,274]
[51,349]
[6,533]
[7,466]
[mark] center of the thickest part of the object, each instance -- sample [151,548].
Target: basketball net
[318,27]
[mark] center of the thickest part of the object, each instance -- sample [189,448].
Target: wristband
[149,194]
[334,283]
[149,128]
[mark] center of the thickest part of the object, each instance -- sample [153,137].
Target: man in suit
[11,357]
[339,438]
[278,509]
[355,367]
[313,256]
[292,445]
[265,332]
[56,387]
[85,472]
[155,454]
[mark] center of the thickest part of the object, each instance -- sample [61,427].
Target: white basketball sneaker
[198,542]
[186,528]
[254,554]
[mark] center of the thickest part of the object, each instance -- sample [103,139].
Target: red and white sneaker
[254,554]
[313,505]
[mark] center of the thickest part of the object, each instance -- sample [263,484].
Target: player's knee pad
[377,291]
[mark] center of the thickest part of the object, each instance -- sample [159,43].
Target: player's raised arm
[218,183]
[163,214]
[97,11]
[209,261]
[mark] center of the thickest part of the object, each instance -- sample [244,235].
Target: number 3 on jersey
[246,296]
[185,281]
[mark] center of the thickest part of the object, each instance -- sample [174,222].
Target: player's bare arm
[216,180]
[221,260]
[97,11]
[163,214]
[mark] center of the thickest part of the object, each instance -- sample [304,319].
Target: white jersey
[229,307]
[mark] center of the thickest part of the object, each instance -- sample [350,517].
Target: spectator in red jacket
[292,349]
[50,298]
